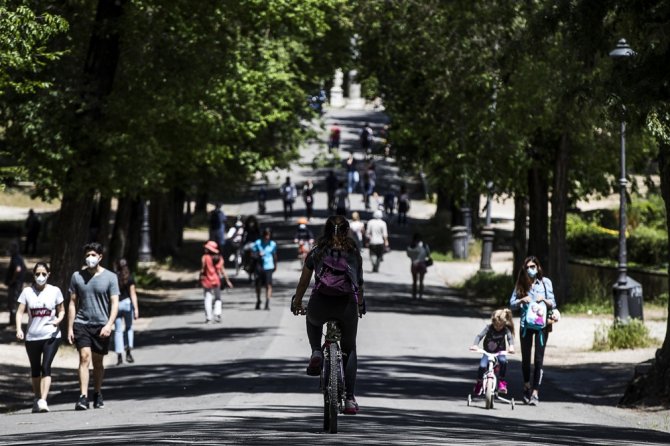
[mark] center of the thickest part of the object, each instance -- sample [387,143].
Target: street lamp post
[627,292]
[145,243]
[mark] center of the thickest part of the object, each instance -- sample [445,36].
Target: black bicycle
[332,373]
[332,377]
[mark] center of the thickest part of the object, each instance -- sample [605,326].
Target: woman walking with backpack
[532,291]
[333,300]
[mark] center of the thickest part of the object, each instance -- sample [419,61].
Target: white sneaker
[42,405]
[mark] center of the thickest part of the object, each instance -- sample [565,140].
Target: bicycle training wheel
[332,389]
[490,383]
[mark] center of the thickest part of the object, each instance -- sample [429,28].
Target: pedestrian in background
[266,250]
[532,287]
[403,206]
[378,241]
[418,252]
[94,303]
[129,310]
[352,174]
[211,272]
[251,233]
[217,225]
[334,138]
[288,193]
[365,138]
[389,202]
[15,278]
[308,198]
[32,227]
[357,228]
[44,304]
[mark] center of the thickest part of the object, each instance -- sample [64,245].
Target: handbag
[429,259]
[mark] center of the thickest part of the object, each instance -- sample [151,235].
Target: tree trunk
[69,237]
[201,200]
[443,209]
[653,387]
[558,248]
[178,199]
[119,242]
[163,229]
[103,226]
[519,246]
[134,232]
[538,213]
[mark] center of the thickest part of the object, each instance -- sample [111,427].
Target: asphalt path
[242,381]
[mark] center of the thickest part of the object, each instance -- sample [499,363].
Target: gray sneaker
[534,400]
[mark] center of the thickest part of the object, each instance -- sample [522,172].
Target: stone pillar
[336,93]
[459,240]
[354,101]
[487,248]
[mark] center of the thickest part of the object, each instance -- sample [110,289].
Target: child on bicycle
[497,335]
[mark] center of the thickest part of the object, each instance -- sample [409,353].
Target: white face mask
[92,261]
[40,280]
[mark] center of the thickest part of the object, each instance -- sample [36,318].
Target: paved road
[242,381]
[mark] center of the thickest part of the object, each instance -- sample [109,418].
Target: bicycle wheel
[489,392]
[332,387]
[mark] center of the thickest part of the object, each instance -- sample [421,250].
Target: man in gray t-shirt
[94,303]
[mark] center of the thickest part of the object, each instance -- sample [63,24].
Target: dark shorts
[418,267]
[264,277]
[89,336]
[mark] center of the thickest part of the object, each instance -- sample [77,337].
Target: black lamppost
[627,292]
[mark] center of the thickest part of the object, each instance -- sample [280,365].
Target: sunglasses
[41,274]
[530,265]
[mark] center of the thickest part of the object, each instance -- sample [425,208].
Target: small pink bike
[489,389]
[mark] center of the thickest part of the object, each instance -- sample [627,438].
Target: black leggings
[526,346]
[320,310]
[41,354]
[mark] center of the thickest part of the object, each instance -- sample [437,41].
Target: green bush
[490,285]
[587,239]
[632,335]
[648,212]
[147,279]
[648,246]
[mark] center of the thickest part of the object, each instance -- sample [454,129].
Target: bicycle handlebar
[482,351]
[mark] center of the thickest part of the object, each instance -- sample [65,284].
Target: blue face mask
[532,272]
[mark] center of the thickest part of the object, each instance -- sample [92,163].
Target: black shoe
[119,359]
[82,404]
[267,305]
[129,357]
[258,305]
[98,403]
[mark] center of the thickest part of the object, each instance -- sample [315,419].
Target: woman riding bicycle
[321,307]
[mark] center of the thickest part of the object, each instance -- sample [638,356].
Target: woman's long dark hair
[123,272]
[335,236]
[523,281]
